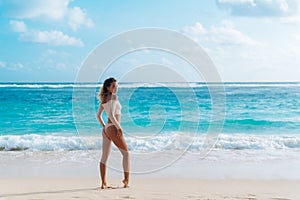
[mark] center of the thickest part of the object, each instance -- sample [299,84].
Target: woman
[112,130]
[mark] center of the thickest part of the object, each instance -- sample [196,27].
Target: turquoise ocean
[259,115]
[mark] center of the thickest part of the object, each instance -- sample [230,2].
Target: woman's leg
[122,146]
[106,146]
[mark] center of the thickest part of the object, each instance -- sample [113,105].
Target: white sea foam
[94,85]
[177,141]
[135,85]
[41,85]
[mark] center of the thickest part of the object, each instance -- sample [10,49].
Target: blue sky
[248,40]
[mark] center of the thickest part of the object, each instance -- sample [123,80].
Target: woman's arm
[99,115]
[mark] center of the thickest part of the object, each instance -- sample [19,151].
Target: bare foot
[125,183]
[104,186]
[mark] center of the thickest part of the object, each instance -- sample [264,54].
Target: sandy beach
[66,175]
[149,188]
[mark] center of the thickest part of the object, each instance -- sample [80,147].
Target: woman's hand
[103,128]
[120,133]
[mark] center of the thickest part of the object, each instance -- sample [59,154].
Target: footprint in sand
[127,197]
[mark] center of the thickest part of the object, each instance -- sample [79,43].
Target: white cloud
[55,10]
[239,57]
[250,2]
[290,20]
[283,5]
[228,34]
[234,53]
[51,9]
[18,26]
[50,54]
[297,37]
[196,29]
[77,17]
[225,34]
[51,60]
[294,19]
[2,64]
[14,66]
[56,38]
[11,65]
[17,65]
[267,8]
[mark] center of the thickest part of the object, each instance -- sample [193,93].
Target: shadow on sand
[58,191]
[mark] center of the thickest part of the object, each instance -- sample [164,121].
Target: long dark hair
[102,95]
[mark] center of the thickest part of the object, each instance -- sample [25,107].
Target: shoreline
[219,164]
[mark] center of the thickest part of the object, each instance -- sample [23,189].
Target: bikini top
[113,107]
[112,104]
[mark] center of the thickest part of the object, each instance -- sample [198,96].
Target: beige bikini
[112,107]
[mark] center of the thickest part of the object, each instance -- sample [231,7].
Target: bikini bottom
[106,126]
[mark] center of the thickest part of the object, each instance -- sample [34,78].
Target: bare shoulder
[114,97]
